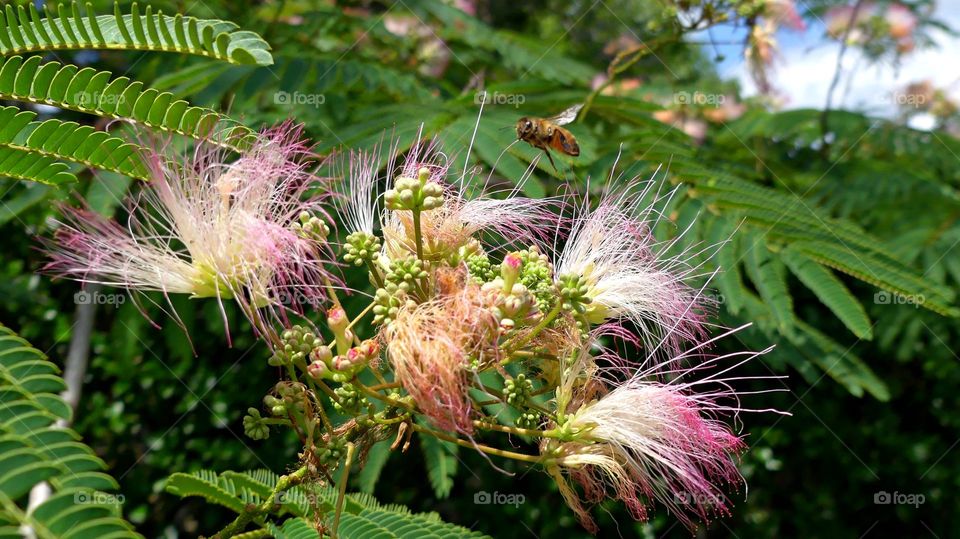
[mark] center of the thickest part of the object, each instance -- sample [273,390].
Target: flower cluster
[875,27]
[492,314]
[253,231]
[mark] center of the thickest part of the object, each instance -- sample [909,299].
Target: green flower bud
[574,291]
[351,400]
[297,343]
[405,272]
[517,391]
[480,268]
[537,276]
[361,248]
[311,227]
[433,189]
[254,426]
[528,420]
[414,194]
[387,303]
[330,454]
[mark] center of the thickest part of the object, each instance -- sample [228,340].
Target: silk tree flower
[357,187]
[612,268]
[431,346]
[784,12]
[649,441]
[470,207]
[871,21]
[247,230]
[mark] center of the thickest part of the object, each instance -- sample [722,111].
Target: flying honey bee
[546,133]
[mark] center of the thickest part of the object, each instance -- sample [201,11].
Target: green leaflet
[839,363]
[376,459]
[34,449]
[24,29]
[831,291]
[441,461]
[882,274]
[95,92]
[32,150]
[363,516]
[769,276]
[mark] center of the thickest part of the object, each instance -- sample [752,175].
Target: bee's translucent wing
[567,116]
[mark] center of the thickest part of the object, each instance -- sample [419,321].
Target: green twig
[376,274]
[252,511]
[417,234]
[512,347]
[342,487]
[480,447]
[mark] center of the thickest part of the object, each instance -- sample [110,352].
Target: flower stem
[418,238]
[533,332]
[381,387]
[251,511]
[513,430]
[376,274]
[331,291]
[502,400]
[371,393]
[342,487]
[417,234]
[484,448]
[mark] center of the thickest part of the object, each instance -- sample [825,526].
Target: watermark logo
[297,497]
[689,498]
[916,101]
[296,297]
[698,98]
[886,298]
[84,297]
[98,498]
[97,100]
[498,98]
[898,498]
[498,498]
[298,98]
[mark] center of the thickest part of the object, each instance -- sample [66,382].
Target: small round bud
[351,401]
[361,248]
[517,390]
[574,292]
[528,420]
[337,319]
[254,426]
[317,370]
[510,270]
[479,268]
[433,189]
[321,353]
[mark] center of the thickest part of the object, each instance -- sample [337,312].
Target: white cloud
[805,69]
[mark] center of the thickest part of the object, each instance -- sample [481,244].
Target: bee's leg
[546,151]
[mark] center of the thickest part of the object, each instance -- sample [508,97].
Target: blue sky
[806,64]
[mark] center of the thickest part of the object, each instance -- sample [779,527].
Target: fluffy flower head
[246,230]
[431,347]
[617,270]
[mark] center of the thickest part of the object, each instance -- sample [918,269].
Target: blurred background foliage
[843,254]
